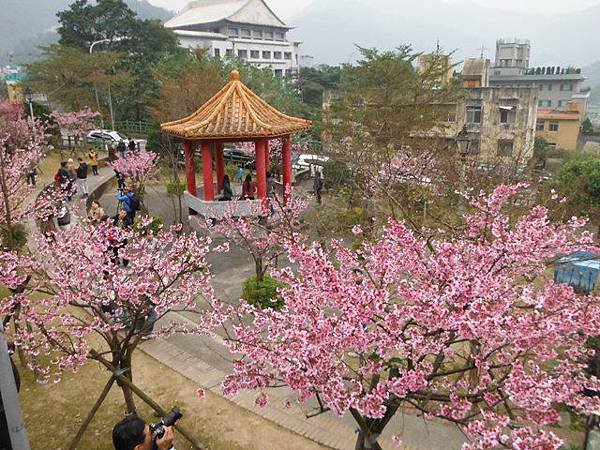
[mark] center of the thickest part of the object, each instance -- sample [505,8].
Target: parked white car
[111,138]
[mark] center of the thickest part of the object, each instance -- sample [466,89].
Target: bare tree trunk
[125,363]
[260,272]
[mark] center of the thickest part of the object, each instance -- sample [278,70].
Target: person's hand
[166,442]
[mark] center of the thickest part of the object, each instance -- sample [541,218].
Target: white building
[248,29]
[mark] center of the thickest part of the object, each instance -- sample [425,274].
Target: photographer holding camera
[132,433]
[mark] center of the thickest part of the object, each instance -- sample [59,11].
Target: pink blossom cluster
[75,123]
[137,166]
[22,146]
[91,294]
[467,327]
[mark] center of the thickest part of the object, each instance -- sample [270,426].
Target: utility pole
[101,41]
[10,399]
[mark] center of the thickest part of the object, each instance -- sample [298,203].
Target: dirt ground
[53,412]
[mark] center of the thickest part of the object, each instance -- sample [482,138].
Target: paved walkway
[206,361]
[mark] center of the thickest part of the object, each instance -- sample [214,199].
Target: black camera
[168,421]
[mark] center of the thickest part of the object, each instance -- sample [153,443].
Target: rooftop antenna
[437,46]
[483,48]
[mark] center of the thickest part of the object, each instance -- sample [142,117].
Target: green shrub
[263,294]
[336,174]
[19,235]
[231,170]
[176,188]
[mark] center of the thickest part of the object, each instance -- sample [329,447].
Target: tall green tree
[140,42]
[579,181]
[70,77]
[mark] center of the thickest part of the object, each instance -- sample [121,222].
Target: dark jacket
[127,222]
[227,192]
[82,171]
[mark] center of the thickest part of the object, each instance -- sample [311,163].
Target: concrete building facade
[247,29]
[557,86]
[500,122]
[560,128]
[512,56]
[555,91]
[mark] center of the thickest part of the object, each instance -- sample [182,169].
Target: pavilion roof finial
[235,75]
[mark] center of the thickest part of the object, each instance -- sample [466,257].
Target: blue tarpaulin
[579,270]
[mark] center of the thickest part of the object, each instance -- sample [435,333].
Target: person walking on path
[248,189]
[31,174]
[93,158]
[132,145]
[227,192]
[82,174]
[96,213]
[121,148]
[240,174]
[318,186]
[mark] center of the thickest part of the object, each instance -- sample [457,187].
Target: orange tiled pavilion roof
[235,112]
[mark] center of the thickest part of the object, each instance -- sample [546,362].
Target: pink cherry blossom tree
[263,234]
[76,124]
[463,327]
[137,167]
[105,287]
[22,146]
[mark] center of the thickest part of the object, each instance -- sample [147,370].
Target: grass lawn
[53,412]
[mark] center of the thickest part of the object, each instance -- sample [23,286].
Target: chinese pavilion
[235,114]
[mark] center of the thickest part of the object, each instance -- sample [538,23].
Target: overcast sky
[288,8]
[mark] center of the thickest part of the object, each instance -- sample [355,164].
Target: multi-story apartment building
[557,86]
[500,121]
[247,29]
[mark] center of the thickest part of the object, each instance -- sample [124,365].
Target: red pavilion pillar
[190,167]
[261,172]
[268,157]
[220,166]
[286,164]
[207,172]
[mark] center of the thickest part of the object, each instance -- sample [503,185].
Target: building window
[243,54]
[566,87]
[245,33]
[507,116]
[217,52]
[450,117]
[232,32]
[539,125]
[266,55]
[254,54]
[276,55]
[279,73]
[279,36]
[229,52]
[545,87]
[473,114]
[288,73]
[553,126]
[257,34]
[287,55]
[269,35]
[545,103]
[562,103]
[505,147]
